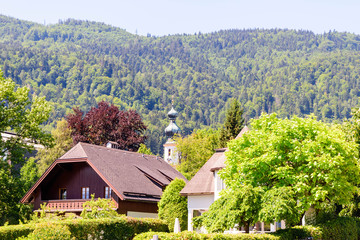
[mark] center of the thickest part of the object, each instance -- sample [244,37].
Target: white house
[204,188]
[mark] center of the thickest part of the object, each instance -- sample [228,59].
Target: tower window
[169,152]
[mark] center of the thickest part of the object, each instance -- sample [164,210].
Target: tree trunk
[247,227]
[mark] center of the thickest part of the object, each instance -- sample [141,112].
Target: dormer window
[111,144]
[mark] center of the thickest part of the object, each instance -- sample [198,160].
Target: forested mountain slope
[79,63]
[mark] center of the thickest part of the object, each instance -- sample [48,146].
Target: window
[220,183]
[107,192]
[85,193]
[169,152]
[62,193]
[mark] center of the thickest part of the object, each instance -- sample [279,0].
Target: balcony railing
[68,205]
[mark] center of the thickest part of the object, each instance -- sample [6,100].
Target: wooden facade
[133,181]
[72,177]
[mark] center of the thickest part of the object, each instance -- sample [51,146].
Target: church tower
[171,155]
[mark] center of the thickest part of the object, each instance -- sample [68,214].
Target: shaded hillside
[80,63]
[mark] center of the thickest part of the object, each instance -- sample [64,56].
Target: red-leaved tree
[107,123]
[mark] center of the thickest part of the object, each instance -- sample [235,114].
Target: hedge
[196,236]
[340,228]
[299,232]
[16,231]
[105,228]
[49,231]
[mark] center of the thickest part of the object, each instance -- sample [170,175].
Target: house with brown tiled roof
[133,181]
[204,188]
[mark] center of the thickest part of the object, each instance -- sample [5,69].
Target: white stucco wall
[198,202]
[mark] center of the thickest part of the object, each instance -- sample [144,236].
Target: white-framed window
[85,193]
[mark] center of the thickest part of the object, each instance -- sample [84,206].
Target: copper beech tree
[107,123]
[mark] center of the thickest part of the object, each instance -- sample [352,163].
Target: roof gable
[75,152]
[203,181]
[144,176]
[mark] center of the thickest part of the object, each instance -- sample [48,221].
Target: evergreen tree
[234,122]
[172,205]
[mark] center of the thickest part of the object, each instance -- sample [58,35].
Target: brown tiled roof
[203,181]
[220,163]
[131,175]
[244,130]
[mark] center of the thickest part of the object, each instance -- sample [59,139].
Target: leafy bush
[340,228]
[113,228]
[299,232]
[357,225]
[49,231]
[16,231]
[172,205]
[194,236]
[105,228]
[100,208]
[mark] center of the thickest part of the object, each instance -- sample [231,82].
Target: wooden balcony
[69,205]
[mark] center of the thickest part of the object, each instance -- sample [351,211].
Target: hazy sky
[163,17]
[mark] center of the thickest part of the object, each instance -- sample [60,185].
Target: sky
[164,17]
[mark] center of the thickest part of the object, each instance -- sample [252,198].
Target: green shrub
[105,228]
[357,225]
[16,231]
[340,228]
[99,208]
[172,205]
[196,236]
[49,231]
[113,228]
[335,229]
[299,232]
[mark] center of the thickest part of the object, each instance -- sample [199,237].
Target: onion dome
[172,129]
[172,114]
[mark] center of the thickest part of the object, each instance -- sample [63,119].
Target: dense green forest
[79,63]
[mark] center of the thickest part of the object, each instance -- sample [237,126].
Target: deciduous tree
[107,123]
[143,149]
[195,150]
[62,143]
[299,163]
[23,115]
[235,207]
